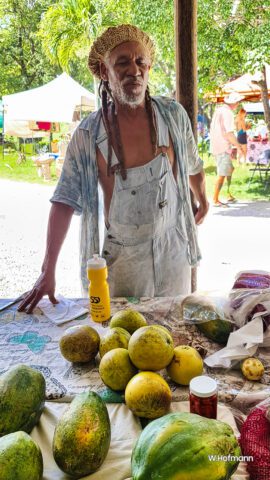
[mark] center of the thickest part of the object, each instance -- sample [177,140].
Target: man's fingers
[26,301]
[53,299]
[38,296]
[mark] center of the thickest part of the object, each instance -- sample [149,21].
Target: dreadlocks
[113,130]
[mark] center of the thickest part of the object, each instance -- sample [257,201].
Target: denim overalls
[146,243]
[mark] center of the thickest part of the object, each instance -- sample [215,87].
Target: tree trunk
[265,100]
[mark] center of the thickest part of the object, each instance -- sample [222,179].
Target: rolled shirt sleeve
[68,189]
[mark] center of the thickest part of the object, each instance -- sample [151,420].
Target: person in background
[242,127]
[222,138]
[140,152]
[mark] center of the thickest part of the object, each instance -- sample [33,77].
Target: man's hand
[201,212]
[45,285]
[59,220]
[197,185]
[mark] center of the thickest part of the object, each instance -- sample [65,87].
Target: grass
[240,180]
[23,172]
[27,172]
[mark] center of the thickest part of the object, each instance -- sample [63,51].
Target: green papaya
[20,458]
[22,398]
[180,445]
[82,435]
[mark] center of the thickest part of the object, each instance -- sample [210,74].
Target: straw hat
[233,97]
[111,38]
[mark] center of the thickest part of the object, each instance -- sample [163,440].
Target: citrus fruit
[116,337]
[79,343]
[148,395]
[150,348]
[116,369]
[185,365]
[128,319]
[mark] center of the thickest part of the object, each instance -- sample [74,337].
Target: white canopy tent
[55,101]
[254,107]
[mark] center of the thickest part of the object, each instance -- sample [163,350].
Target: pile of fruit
[131,353]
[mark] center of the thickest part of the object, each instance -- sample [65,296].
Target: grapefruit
[151,348]
[116,337]
[148,395]
[185,365]
[116,369]
[128,319]
[79,343]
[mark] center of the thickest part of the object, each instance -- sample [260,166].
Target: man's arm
[58,224]
[197,185]
[233,141]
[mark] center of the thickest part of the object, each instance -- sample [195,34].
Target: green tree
[233,39]
[157,19]
[22,63]
[69,27]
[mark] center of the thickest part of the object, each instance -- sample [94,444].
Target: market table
[255,150]
[33,340]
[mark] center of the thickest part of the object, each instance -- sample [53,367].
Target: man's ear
[103,71]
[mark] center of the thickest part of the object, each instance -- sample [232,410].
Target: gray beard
[132,101]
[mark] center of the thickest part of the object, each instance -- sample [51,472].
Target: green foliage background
[41,38]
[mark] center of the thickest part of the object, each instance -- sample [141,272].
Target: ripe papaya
[180,446]
[82,435]
[22,398]
[20,458]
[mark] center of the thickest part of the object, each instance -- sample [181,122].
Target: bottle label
[94,299]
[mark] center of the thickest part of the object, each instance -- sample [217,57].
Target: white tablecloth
[126,428]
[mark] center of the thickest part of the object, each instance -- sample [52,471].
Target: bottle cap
[96,262]
[203,386]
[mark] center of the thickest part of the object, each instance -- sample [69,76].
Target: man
[141,151]
[221,140]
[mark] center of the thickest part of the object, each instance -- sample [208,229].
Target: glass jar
[203,396]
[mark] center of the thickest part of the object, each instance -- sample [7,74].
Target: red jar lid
[203,386]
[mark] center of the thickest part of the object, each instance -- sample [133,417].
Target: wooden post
[186,58]
[186,71]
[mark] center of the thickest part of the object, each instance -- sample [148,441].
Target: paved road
[231,239]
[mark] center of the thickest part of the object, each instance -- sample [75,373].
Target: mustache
[133,81]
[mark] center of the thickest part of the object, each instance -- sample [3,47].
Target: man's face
[127,70]
[233,106]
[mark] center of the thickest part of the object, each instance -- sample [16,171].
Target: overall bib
[146,245]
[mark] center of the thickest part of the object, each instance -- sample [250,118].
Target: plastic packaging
[210,314]
[245,303]
[203,396]
[99,294]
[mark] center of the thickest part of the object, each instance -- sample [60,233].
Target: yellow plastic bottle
[99,294]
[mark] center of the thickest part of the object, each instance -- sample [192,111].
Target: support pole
[186,58]
[186,72]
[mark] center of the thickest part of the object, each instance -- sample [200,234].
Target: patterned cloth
[34,340]
[255,152]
